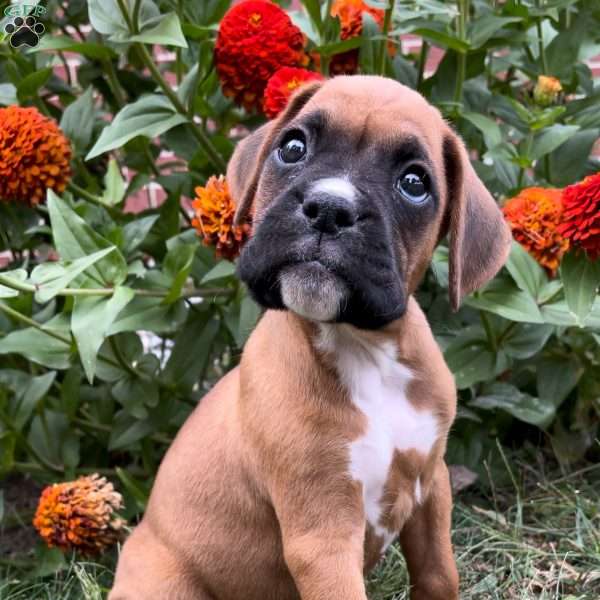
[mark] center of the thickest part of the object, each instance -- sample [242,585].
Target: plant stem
[423,55]
[196,130]
[146,58]
[489,332]
[542,50]
[463,10]
[387,21]
[93,199]
[11,312]
[192,293]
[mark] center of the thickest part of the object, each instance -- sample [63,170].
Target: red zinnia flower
[534,217]
[581,218]
[256,38]
[34,156]
[215,210]
[282,85]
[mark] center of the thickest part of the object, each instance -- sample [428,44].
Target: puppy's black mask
[334,242]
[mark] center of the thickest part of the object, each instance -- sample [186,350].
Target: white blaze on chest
[377,386]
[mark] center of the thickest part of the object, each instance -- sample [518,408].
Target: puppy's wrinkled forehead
[376,110]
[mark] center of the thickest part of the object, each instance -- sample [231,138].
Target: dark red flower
[282,85]
[256,38]
[581,217]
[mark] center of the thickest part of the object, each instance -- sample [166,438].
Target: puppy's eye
[293,148]
[413,184]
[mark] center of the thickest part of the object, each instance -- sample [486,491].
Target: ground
[534,534]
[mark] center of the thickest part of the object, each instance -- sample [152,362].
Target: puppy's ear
[478,234]
[246,165]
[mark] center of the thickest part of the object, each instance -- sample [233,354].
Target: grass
[534,536]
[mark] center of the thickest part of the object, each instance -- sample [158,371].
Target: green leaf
[557,377]
[135,232]
[526,271]
[135,488]
[135,394]
[177,266]
[17,275]
[91,320]
[107,18]
[8,94]
[51,278]
[314,12]
[558,313]
[443,39]
[114,184]
[471,359]
[568,163]
[250,312]
[221,270]
[490,129]
[187,90]
[503,298]
[165,30]
[484,27]
[520,405]
[39,347]
[551,138]
[31,84]
[36,389]
[368,44]
[77,121]
[150,314]
[526,339]
[130,435]
[581,278]
[191,351]
[66,44]
[74,238]
[150,116]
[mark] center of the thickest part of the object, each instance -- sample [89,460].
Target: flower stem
[387,21]
[146,58]
[191,293]
[93,199]
[463,10]
[423,55]
[11,312]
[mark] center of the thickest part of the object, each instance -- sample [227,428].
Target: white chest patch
[377,385]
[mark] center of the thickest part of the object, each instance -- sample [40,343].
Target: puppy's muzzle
[330,205]
[329,213]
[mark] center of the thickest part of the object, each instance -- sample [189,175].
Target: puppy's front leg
[426,543]
[323,544]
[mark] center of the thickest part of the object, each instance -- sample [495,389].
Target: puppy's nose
[328,213]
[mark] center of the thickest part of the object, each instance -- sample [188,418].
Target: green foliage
[106,350]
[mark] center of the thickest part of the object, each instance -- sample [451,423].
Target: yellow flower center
[255,19]
[292,84]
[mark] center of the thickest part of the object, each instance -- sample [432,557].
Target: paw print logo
[24,31]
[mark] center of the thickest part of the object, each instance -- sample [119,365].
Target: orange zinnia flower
[581,218]
[34,156]
[215,211]
[282,85]
[534,216]
[256,38]
[80,515]
[350,14]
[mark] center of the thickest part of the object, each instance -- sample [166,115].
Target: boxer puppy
[301,466]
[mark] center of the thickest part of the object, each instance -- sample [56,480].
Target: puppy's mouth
[312,291]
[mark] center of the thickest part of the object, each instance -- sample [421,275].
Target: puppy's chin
[313,292]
